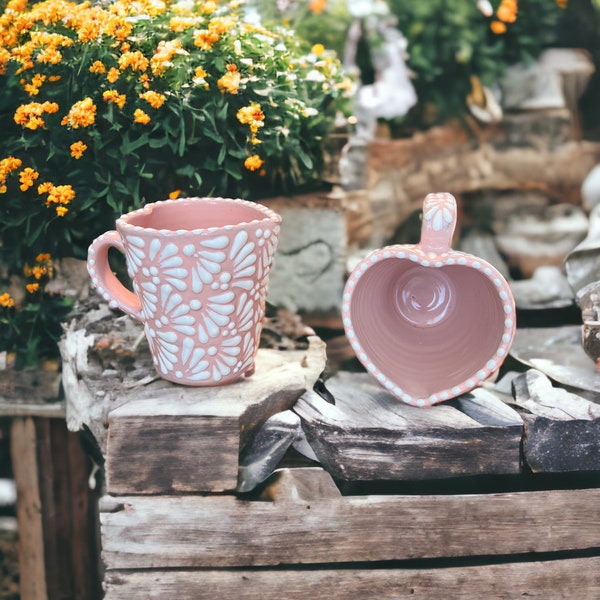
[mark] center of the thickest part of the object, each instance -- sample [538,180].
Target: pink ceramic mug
[199,269]
[429,323]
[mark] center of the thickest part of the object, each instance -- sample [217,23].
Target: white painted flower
[224,356]
[173,314]
[243,258]
[209,255]
[164,348]
[214,315]
[247,353]
[244,312]
[193,360]
[439,210]
[134,251]
[163,265]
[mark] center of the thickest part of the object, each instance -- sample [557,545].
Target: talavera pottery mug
[428,322]
[199,269]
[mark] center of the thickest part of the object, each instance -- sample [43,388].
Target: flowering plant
[107,106]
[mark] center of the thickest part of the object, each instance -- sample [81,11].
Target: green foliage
[451,41]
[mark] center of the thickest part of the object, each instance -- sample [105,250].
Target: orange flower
[97,67]
[27,177]
[114,97]
[498,27]
[32,287]
[230,82]
[6,300]
[154,99]
[113,74]
[82,114]
[61,211]
[139,116]
[317,6]
[507,11]
[77,149]
[254,162]
[205,39]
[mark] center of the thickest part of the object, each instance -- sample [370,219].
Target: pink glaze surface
[199,269]
[429,323]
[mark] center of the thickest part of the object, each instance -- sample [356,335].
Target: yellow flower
[27,177]
[113,74]
[32,287]
[154,99]
[97,67]
[318,49]
[251,115]
[33,87]
[317,6]
[58,194]
[114,97]
[6,300]
[205,39]
[139,116]
[254,162]
[38,271]
[30,115]
[82,114]
[61,211]
[498,27]
[135,60]
[230,82]
[221,25]
[209,7]
[77,149]
[507,11]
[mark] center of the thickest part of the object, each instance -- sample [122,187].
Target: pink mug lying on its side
[199,269]
[429,323]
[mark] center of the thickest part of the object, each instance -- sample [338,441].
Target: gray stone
[582,264]
[548,288]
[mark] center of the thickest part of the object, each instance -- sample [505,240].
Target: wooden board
[576,578]
[168,438]
[370,435]
[217,531]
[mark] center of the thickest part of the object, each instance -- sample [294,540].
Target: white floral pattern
[202,296]
[440,211]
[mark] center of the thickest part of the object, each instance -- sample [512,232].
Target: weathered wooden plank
[370,435]
[142,532]
[562,429]
[23,453]
[571,578]
[164,437]
[30,393]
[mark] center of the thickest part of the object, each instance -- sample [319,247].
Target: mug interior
[426,337]
[195,213]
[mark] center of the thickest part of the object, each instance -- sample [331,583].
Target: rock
[482,244]
[531,241]
[590,189]
[548,288]
[582,264]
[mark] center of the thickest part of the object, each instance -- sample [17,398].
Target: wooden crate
[436,503]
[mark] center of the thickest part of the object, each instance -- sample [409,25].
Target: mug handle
[439,222]
[105,281]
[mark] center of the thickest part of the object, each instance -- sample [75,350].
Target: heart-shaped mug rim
[433,253]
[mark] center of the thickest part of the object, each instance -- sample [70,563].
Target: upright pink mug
[199,269]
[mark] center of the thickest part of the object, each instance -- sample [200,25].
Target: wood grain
[571,578]
[369,435]
[30,524]
[223,531]
[168,438]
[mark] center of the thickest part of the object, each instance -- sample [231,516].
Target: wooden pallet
[434,503]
